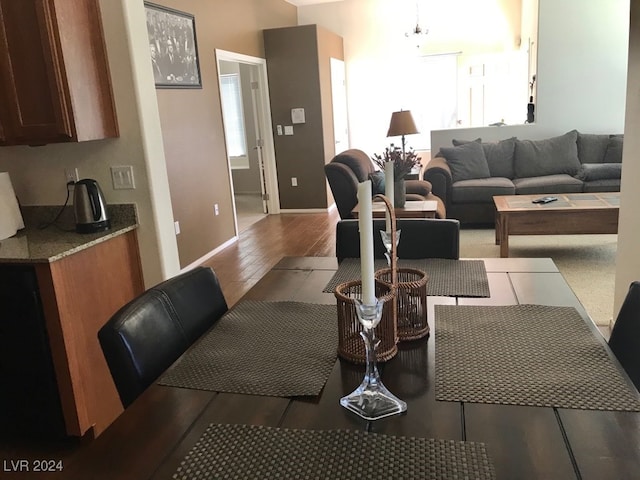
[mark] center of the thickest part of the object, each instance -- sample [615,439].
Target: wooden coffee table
[411,209]
[572,213]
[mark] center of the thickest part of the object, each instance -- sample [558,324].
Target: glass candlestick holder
[386,241]
[371,400]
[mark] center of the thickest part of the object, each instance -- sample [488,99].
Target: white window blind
[232,108]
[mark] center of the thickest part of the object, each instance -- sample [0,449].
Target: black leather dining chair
[625,336]
[419,238]
[142,339]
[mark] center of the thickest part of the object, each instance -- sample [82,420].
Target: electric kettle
[89,207]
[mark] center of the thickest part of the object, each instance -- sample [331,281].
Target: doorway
[247,127]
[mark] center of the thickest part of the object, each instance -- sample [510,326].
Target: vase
[399,193]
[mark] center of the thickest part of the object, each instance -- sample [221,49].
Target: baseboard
[308,210]
[206,257]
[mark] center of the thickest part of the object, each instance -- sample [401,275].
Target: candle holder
[386,241]
[372,400]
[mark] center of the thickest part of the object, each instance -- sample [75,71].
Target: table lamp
[402,124]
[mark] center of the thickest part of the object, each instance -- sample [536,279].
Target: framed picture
[173,49]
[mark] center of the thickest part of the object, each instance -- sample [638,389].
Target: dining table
[523,440]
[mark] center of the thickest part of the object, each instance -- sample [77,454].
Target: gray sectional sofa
[467,175]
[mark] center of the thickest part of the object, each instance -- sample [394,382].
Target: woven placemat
[247,451]
[280,349]
[525,355]
[448,278]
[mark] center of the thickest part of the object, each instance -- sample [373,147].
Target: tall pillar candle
[388,190]
[365,225]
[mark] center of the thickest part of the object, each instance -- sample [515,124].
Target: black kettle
[89,207]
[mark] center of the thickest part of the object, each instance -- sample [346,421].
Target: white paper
[388,190]
[10,217]
[365,224]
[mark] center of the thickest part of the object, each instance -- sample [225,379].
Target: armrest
[438,173]
[419,187]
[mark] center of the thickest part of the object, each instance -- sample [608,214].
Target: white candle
[388,190]
[365,224]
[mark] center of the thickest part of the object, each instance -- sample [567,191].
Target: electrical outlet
[294,181]
[176,226]
[71,175]
[216,209]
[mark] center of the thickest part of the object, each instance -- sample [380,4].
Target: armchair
[351,167]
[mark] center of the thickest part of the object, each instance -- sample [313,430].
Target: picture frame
[173,47]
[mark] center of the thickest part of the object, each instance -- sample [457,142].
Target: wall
[628,260]
[299,77]
[581,73]
[379,59]
[194,175]
[192,120]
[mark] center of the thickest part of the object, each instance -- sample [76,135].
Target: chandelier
[417,34]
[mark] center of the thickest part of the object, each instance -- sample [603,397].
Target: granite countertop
[34,244]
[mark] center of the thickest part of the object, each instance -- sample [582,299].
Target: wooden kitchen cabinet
[55,84]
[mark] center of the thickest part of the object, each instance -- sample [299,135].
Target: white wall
[628,256]
[380,61]
[581,73]
[37,173]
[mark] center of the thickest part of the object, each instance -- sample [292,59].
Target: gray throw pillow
[500,157]
[377,182]
[592,147]
[552,156]
[599,171]
[614,150]
[466,161]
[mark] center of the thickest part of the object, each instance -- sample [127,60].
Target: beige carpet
[587,262]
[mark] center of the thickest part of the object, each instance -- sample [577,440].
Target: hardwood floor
[238,267]
[264,243]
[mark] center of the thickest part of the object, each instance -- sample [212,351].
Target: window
[232,109]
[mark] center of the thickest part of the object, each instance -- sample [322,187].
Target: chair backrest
[142,339]
[343,173]
[419,238]
[625,336]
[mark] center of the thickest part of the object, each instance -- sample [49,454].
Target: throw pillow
[552,156]
[592,147]
[377,182]
[500,157]
[599,171]
[614,150]
[457,143]
[466,161]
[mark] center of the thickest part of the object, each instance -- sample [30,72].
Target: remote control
[545,200]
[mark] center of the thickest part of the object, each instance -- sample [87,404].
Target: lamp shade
[402,124]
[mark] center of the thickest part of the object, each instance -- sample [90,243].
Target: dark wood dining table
[157,431]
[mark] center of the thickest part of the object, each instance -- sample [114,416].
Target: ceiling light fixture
[418,33]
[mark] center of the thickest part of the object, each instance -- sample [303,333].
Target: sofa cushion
[614,150]
[499,155]
[611,185]
[556,155]
[377,182]
[481,190]
[592,147]
[599,171]
[466,161]
[547,184]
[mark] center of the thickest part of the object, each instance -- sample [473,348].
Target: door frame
[263,106]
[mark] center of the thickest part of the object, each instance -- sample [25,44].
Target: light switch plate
[288,129]
[122,177]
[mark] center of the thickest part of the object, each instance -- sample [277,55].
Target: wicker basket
[411,301]
[350,344]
